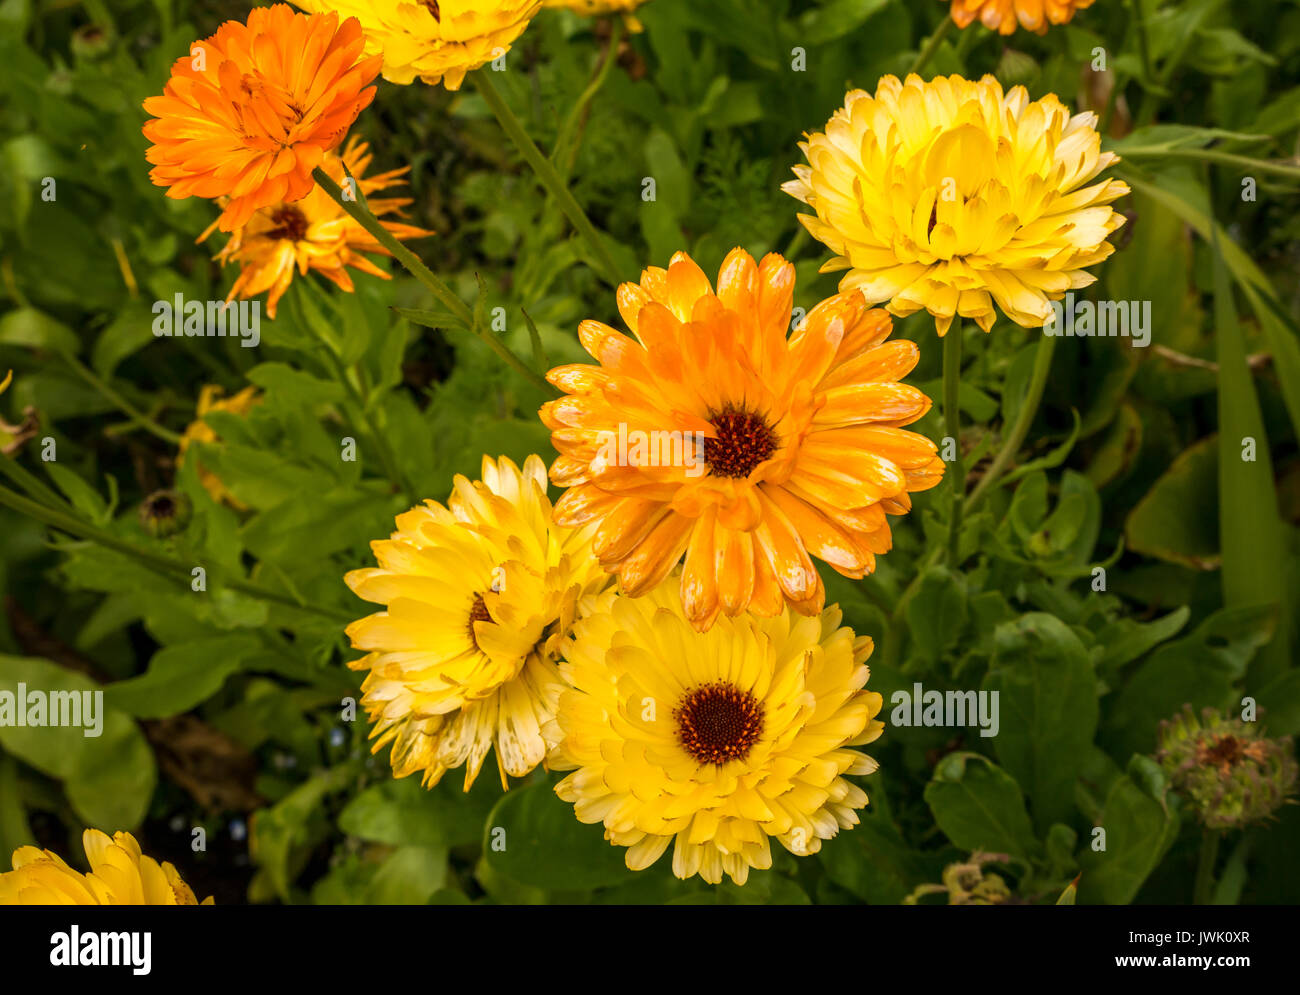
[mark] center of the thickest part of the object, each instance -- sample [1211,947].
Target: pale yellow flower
[956,198]
[477,595]
[437,41]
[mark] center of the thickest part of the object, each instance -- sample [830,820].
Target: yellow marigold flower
[1002,15]
[438,41]
[210,399]
[718,740]
[477,595]
[119,875]
[251,111]
[952,197]
[713,434]
[314,233]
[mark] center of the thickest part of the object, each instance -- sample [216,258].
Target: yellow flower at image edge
[713,742]
[210,399]
[1003,15]
[595,7]
[12,437]
[250,112]
[314,233]
[437,41]
[477,595]
[787,446]
[119,875]
[954,198]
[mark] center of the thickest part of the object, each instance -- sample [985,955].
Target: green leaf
[404,811]
[1274,322]
[180,677]
[532,837]
[936,613]
[980,807]
[1139,829]
[874,862]
[1199,670]
[294,385]
[33,329]
[836,19]
[109,778]
[1250,531]
[284,834]
[128,333]
[14,831]
[1177,520]
[1130,640]
[1048,710]
[410,876]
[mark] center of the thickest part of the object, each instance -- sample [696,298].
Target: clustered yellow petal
[119,875]
[1003,15]
[954,197]
[476,595]
[438,41]
[714,742]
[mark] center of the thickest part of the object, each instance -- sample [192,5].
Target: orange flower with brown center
[718,435]
[315,233]
[251,111]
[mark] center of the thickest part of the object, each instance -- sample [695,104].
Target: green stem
[952,425]
[1024,418]
[158,562]
[546,175]
[1289,170]
[1146,107]
[566,144]
[932,45]
[29,482]
[137,416]
[391,469]
[443,293]
[1204,893]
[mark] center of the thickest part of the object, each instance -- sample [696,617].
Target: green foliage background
[225,705]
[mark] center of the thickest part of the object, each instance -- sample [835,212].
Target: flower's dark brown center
[743,441]
[289,224]
[161,506]
[718,722]
[478,612]
[1225,752]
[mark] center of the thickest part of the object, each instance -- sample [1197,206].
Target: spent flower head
[1230,774]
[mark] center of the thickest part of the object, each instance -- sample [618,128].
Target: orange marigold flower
[1002,15]
[716,435]
[251,111]
[314,233]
